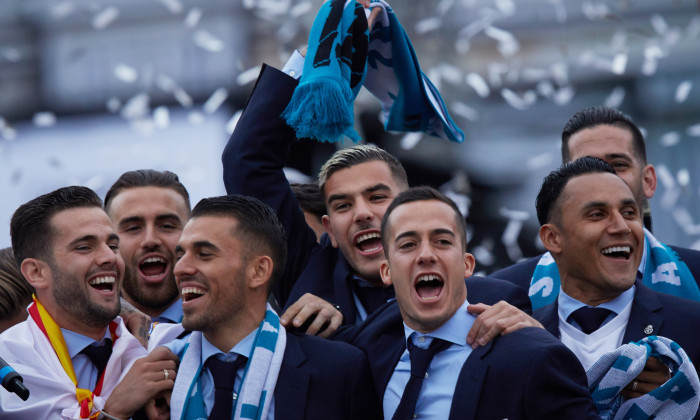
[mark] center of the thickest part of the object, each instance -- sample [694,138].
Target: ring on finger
[634,385]
[166,374]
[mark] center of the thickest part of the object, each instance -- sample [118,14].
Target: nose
[618,225]
[107,255]
[426,254]
[363,211]
[151,237]
[183,266]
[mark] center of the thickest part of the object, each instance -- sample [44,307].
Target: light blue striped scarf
[663,272]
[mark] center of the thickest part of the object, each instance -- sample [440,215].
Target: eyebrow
[132,219]
[619,156]
[373,188]
[86,238]
[439,231]
[197,245]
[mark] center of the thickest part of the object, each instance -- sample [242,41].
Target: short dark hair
[30,227]
[602,115]
[346,158]
[15,290]
[147,178]
[554,183]
[310,198]
[423,193]
[257,227]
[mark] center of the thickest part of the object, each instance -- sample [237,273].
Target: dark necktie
[590,319]
[420,360]
[372,297]
[224,374]
[99,355]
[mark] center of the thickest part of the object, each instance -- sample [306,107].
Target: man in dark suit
[609,134]
[526,374]
[231,252]
[592,225]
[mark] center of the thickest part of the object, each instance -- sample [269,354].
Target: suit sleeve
[557,387]
[253,162]
[364,403]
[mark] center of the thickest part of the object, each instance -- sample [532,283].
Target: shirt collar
[455,330]
[75,342]
[171,315]
[242,348]
[567,304]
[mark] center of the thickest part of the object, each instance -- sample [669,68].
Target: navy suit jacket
[322,379]
[652,313]
[527,374]
[253,162]
[521,273]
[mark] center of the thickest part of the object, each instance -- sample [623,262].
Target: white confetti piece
[113,105]
[136,107]
[693,130]
[193,17]
[683,177]
[44,119]
[619,64]
[507,7]
[161,117]
[207,41]
[478,84]
[410,140]
[564,95]
[232,122]
[9,133]
[11,54]
[428,25]
[165,83]
[559,11]
[126,73]
[105,18]
[669,139]
[508,45]
[464,111]
[444,6]
[659,24]
[195,118]
[683,90]
[692,31]
[248,76]
[215,100]
[62,10]
[616,97]
[531,74]
[511,214]
[483,255]
[521,102]
[665,176]
[182,97]
[540,161]
[174,6]
[560,72]
[300,9]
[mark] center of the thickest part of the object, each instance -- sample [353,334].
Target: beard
[70,294]
[153,297]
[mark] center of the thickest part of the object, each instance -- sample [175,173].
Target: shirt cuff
[295,65]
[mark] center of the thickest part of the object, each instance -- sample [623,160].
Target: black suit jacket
[652,313]
[521,273]
[253,162]
[527,374]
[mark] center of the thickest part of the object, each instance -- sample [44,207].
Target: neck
[226,335]
[151,311]
[65,321]
[591,297]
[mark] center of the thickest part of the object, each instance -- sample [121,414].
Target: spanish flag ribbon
[53,333]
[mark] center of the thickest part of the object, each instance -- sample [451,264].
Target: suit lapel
[548,316]
[342,283]
[465,400]
[645,317]
[293,382]
[385,356]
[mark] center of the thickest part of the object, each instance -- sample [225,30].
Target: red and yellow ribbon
[53,332]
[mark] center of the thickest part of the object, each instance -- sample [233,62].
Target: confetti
[248,76]
[215,100]
[616,97]
[464,111]
[105,18]
[507,43]
[507,7]
[669,139]
[659,24]
[182,97]
[540,161]
[478,84]
[519,102]
[195,118]
[564,95]
[511,214]
[207,41]
[193,17]
[113,105]
[126,73]
[559,11]
[136,107]
[62,10]
[693,130]
[44,119]
[428,25]
[161,117]
[174,6]
[12,55]
[301,9]
[683,90]
[619,63]
[410,140]
[683,177]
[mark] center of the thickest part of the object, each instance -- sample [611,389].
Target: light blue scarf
[259,380]
[663,272]
[676,399]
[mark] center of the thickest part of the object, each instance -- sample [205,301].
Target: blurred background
[92,88]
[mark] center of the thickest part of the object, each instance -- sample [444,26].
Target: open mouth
[103,283]
[191,293]
[619,252]
[153,268]
[429,286]
[369,243]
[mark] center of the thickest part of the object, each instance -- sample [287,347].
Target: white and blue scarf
[663,272]
[675,399]
[259,379]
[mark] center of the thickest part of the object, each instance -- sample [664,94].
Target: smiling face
[211,275]
[426,263]
[86,271]
[356,199]
[149,221]
[615,145]
[596,237]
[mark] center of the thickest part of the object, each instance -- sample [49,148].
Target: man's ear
[469,264]
[259,271]
[551,238]
[37,273]
[385,273]
[649,181]
[326,220]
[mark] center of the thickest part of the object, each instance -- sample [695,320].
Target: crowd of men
[141,307]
